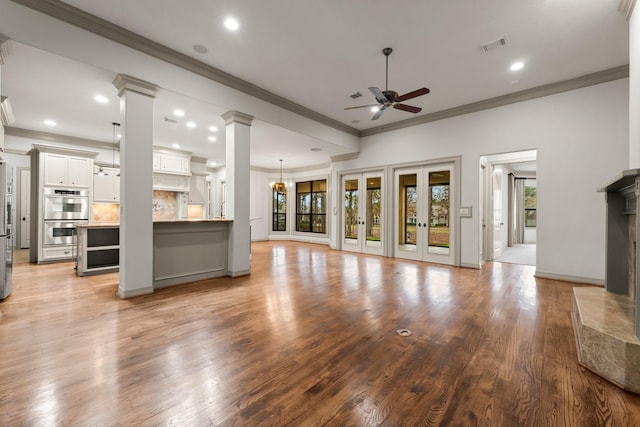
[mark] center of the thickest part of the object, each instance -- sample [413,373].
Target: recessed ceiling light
[517,66]
[231,24]
[375,109]
[213,129]
[119,136]
[178,113]
[212,163]
[49,122]
[191,124]
[101,99]
[212,138]
[175,145]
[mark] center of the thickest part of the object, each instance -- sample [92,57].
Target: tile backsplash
[105,212]
[165,205]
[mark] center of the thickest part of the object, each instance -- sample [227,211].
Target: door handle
[24,219]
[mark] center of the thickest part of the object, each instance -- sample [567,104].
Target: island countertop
[161,221]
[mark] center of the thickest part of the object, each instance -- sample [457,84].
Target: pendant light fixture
[280,186]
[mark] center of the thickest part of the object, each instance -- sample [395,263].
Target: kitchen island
[183,250]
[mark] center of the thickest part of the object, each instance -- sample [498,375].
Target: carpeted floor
[519,254]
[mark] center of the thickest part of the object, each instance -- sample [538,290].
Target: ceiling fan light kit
[390,98]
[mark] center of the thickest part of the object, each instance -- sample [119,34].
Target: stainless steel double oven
[64,209]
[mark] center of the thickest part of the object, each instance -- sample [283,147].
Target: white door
[25,208]
[425,214]
[497,212]
[362,213]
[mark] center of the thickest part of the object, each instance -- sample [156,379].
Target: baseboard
[239,273]
[470,265]
[567,278]
[134,292]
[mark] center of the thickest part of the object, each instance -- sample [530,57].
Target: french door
[425,213]
[362,213]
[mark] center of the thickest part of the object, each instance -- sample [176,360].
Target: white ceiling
[318,53]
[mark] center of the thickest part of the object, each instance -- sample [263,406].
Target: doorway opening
[509,214]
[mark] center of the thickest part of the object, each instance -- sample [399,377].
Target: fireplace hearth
[607,321]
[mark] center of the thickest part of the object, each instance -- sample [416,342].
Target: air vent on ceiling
[502,41]
[355,95]
[167,119]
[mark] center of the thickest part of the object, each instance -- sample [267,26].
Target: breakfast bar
[183,250]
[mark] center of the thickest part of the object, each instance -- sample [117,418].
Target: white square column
[238,129]
[630,9]
[136,185]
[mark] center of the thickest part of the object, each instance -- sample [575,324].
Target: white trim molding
[626,8]
[567,278]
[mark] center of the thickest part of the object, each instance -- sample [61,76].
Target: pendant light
[280,186]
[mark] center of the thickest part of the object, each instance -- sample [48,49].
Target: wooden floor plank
[308,339]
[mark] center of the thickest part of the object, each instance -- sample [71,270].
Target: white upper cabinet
[171,163]
[106,188]
[66,171]
[198,190]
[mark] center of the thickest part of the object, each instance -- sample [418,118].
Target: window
[279,210]
[530,204]
[311,206]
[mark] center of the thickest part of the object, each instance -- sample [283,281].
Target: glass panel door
[373,213]
[425,214]
[362,213]
[439,222]
[351,214]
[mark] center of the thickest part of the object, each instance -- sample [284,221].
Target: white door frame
[23,202]
[361,244]
[421,250]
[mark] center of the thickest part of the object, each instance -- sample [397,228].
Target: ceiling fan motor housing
[391,95]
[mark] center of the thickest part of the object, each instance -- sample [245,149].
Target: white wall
[581,139]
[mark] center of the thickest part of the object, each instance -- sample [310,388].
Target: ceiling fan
[389,98]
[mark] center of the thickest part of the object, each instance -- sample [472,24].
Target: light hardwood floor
[309,338]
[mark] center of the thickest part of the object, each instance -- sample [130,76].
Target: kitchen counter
[160,221]
[184,250]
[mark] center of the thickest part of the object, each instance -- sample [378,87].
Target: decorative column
[4,51]
[136,185]
[627,7]
[238,127]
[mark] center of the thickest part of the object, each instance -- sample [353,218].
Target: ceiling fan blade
[361,106]
[378,113]
[409,108]
[379,95]
[414,94]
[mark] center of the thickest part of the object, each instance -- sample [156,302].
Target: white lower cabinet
[57,253]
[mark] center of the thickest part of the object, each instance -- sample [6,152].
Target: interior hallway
[309,338]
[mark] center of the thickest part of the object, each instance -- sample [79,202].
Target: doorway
[25,208]
[425,213]
[362,212]
[509,217]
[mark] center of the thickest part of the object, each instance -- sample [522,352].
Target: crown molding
[196,159]
[76,17]
[626,8]
[237,116]
[61,150]
[54,137]
[5,47]
[125,82]
[604,76]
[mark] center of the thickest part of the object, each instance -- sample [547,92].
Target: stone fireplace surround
[607,321]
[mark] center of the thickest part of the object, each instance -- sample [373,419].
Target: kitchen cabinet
[106,188]
[60,170]
[198,190]
[171,163]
